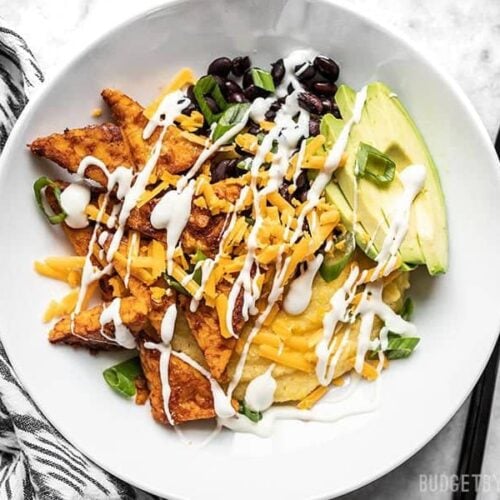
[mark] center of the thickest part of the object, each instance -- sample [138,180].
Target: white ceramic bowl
[458,315]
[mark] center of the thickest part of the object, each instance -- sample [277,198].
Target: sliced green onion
[401,347]
[263,79]
[250,221]
[330,128]
[374,165]
[398,347]
[173,283]
[38,187]
[245,164]
[208,86]
[335,262]
[233,115]
[121,377]
[407,310]
[198,257]
[252,415]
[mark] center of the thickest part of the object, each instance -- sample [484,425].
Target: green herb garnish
[398,347]
[245,164]
[407,309]
[254,416]
[263,79]
[121,377]
[38,187]
[234,114]
[208,86]
[199,256]
[174,284]
[334,262]
[374,165]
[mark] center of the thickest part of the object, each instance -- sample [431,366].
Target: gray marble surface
[462,37]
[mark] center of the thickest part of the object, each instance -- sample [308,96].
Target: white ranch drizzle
[222,404]
[111,314]
[332,161]
[299,293]
[274,295]
[89,272]
[339,303]
[74,201]
[121,178]
[211,150]
[337,350]
[207,268]
[169,109]
[287,133]
[260,391]
[371,304]
[167,332]
[132,243]
[413,180]
[111,222]
[172,214]
[322,412]
[102,238]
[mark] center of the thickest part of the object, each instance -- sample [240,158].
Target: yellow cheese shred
[65,306]
[312,398]
[183,77]
[291,359]
[221,308]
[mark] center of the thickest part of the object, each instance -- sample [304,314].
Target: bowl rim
[394,33]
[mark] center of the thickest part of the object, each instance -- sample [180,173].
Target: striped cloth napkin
[36,462]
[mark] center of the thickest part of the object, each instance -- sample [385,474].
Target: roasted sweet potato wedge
[68,149]
[191,396]
[87,327]
[177,155]
[203,230]
[204,325]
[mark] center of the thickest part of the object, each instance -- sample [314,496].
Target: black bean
[223,169]
[189,109]
[275,106]
[283,191]
[310,103]
[302,197]
[278,71]
[336,111]
[254,128]
[237,97]
[313,127]
[211,104]
[302,182]
[247,78]
[239,65]
[324,88]
[327,105]
[306,73]
[270,115]
[220,67]
[252,92]
[231,87]
[190,93]
[327,67]
[290,88]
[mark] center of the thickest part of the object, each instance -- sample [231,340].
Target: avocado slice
[386,125]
